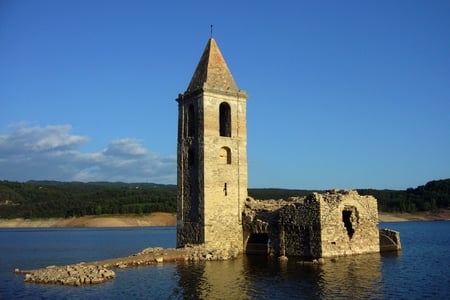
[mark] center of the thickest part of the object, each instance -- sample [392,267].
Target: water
[421,270]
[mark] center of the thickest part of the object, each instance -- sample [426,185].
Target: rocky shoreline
[101,271]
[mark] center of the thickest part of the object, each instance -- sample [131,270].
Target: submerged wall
[389,240]
[333,223]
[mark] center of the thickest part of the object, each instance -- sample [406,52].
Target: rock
[75,275]
[98,272]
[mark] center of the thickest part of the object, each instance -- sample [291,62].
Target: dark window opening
[225,119]
[191,157]
[193,211]
[258,244]
[225,189]
[347,219]
[192,189]
[191,120]
[307,241]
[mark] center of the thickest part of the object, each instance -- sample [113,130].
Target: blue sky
[343,94]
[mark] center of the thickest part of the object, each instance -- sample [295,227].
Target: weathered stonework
[100,271]
[389,240]
[215,219]
[334,223]
[213,209]
[348,223]
[212,156]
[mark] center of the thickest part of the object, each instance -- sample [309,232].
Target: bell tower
[211,156]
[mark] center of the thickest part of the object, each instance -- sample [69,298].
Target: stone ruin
[334,223]
[212,179]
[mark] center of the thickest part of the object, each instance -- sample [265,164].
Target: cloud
[39,139]
[52,153]
[125,147]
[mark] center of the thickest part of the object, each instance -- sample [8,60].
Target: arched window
[225,119]
[225,155]
[191,120]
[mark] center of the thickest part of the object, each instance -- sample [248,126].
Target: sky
[343,94]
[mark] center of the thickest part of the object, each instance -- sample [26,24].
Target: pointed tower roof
[212,71]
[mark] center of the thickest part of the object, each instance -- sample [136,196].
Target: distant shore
[441,215]
[154,219]
[170,219]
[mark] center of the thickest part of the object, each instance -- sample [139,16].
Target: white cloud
[125,147]
[52,153]
[39,139]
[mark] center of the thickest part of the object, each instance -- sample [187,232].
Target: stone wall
[225,170]
[212,169]
[260,219]
[190,204]
[389,240]
[300,222]
[348,223]
[333,223]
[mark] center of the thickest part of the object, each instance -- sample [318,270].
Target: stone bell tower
[212,156]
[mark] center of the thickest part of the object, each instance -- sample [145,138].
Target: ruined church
[213,207]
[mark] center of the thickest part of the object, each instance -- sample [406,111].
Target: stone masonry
[212,156]
[333,223]
[215,218]
[213,208]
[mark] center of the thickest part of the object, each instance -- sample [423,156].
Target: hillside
[52,199]
[429,197]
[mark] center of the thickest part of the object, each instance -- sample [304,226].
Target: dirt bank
[443,214]
[170,219]
[154,219]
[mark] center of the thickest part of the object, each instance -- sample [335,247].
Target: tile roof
[212,71]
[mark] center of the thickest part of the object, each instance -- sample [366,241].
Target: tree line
[432,196]
[52,199]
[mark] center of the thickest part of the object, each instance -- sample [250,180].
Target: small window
[191,120]
[191,157]
[225,155]
[225,119]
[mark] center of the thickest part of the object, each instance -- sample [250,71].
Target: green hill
[45,199]
[429,197]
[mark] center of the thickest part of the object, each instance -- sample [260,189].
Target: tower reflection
[251,277]
[212,280]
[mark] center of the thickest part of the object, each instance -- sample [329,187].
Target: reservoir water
[420,271]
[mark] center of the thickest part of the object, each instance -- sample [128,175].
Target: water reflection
[250,277]
[354,277]
[212,280]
